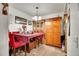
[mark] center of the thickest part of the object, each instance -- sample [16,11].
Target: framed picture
[19,20]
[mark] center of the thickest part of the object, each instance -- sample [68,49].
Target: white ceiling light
[37,17]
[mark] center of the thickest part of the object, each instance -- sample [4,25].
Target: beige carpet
[44,50]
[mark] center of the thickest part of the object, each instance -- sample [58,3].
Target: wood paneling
[53,31]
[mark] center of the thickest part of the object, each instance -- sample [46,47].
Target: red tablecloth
[27,37]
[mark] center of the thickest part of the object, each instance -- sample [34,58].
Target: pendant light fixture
[37,17]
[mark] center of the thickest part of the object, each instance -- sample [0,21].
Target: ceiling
[44,8]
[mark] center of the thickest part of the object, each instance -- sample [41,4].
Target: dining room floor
[44,50]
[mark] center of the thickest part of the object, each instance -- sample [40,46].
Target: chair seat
[16,44]
[19,44]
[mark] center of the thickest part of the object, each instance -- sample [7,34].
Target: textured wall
[4,48]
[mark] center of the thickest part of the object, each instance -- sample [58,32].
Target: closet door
[53,32]
[57,32]
[49,32]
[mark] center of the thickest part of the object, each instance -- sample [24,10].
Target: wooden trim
[55,18]
[65,30]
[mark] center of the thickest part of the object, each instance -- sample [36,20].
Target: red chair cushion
[19,44]
[13,43]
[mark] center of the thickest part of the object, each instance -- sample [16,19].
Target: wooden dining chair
[15,44]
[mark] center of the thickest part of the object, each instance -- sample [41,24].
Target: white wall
[15,12]
[61,14]
[4,48]
[72,48]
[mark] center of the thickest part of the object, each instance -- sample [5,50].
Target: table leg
[14,51]
[10,51]
[25,50]
[28,48]
[38,42]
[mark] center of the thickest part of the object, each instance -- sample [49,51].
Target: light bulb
[37,18]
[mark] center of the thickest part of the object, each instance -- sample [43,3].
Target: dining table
[26,37]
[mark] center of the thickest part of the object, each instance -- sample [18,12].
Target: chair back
[15,32]
[11,39]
